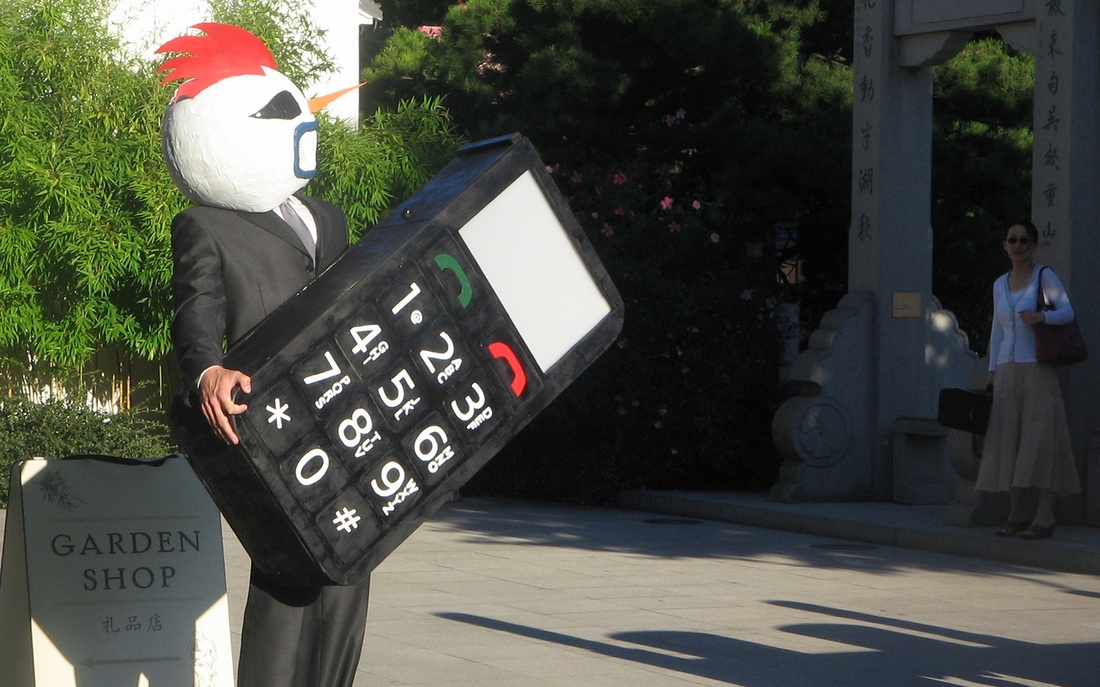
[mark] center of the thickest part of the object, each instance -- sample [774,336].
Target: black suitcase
[965,409]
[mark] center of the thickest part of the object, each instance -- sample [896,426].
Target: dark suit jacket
[232,269]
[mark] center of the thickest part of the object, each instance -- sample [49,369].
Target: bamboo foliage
[86,203]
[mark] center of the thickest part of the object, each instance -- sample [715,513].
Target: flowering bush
[684,397]
[681,134]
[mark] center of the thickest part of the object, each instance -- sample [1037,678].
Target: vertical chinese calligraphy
[1050,130]
[863,170]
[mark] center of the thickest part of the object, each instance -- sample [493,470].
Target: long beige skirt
[1027,443]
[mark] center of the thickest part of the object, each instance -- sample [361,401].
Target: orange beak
[320,102]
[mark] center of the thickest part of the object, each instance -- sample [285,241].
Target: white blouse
[1011,339]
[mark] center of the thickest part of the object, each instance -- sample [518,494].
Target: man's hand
[216,390]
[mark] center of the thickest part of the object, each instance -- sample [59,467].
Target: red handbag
[1057,344]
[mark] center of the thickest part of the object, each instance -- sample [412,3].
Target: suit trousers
[301,636]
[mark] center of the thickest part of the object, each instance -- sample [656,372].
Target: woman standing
[1027,443]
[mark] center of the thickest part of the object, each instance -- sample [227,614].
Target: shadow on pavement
[869,650]
[648,534]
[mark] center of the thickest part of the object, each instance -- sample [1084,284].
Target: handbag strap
[1040,295]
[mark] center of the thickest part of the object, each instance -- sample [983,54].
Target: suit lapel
[319,223]
[271,222]
[332,237]
[327,229]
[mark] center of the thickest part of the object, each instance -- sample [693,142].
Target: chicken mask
[237,134]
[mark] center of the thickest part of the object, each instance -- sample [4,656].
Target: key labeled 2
[442,357]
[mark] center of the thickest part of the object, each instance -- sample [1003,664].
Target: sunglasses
[1023,240]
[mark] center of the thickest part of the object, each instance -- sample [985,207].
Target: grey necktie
[291,217]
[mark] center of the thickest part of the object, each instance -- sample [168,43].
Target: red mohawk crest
[224,51]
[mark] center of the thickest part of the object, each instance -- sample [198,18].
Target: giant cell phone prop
[385,384]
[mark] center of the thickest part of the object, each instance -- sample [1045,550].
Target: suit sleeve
[198,294]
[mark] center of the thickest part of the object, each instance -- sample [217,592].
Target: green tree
[288,32]
[690,136]
[682,133]
[85,200]
[981,179]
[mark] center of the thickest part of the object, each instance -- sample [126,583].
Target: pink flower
[619,212]
[674,227]
[666,203]
[607,230]
[619,178]
[714,237]
[675,118]
[431,31]
[696,204]
[553,169]
[577,178]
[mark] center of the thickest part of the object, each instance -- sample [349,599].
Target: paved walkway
[494,593]
[1073,549]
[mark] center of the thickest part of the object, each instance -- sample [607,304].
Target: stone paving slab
[505,593]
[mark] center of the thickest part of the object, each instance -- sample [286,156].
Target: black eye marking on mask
[282,106]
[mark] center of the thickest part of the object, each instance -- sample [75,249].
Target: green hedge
[56,429]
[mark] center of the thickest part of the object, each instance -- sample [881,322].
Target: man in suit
[240,141]
[231,270]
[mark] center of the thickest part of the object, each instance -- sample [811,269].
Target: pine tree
[691,137]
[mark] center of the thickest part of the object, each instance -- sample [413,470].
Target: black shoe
[1012,528]
[1038,532]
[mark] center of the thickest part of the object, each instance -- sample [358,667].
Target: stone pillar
[1066,192]
[907,348]
[899,347]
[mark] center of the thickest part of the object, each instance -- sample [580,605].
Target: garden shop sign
[113,576]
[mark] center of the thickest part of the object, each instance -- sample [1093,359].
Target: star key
[278,413]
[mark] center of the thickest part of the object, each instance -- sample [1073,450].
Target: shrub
[86,203]
[684,398]
[56,429]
